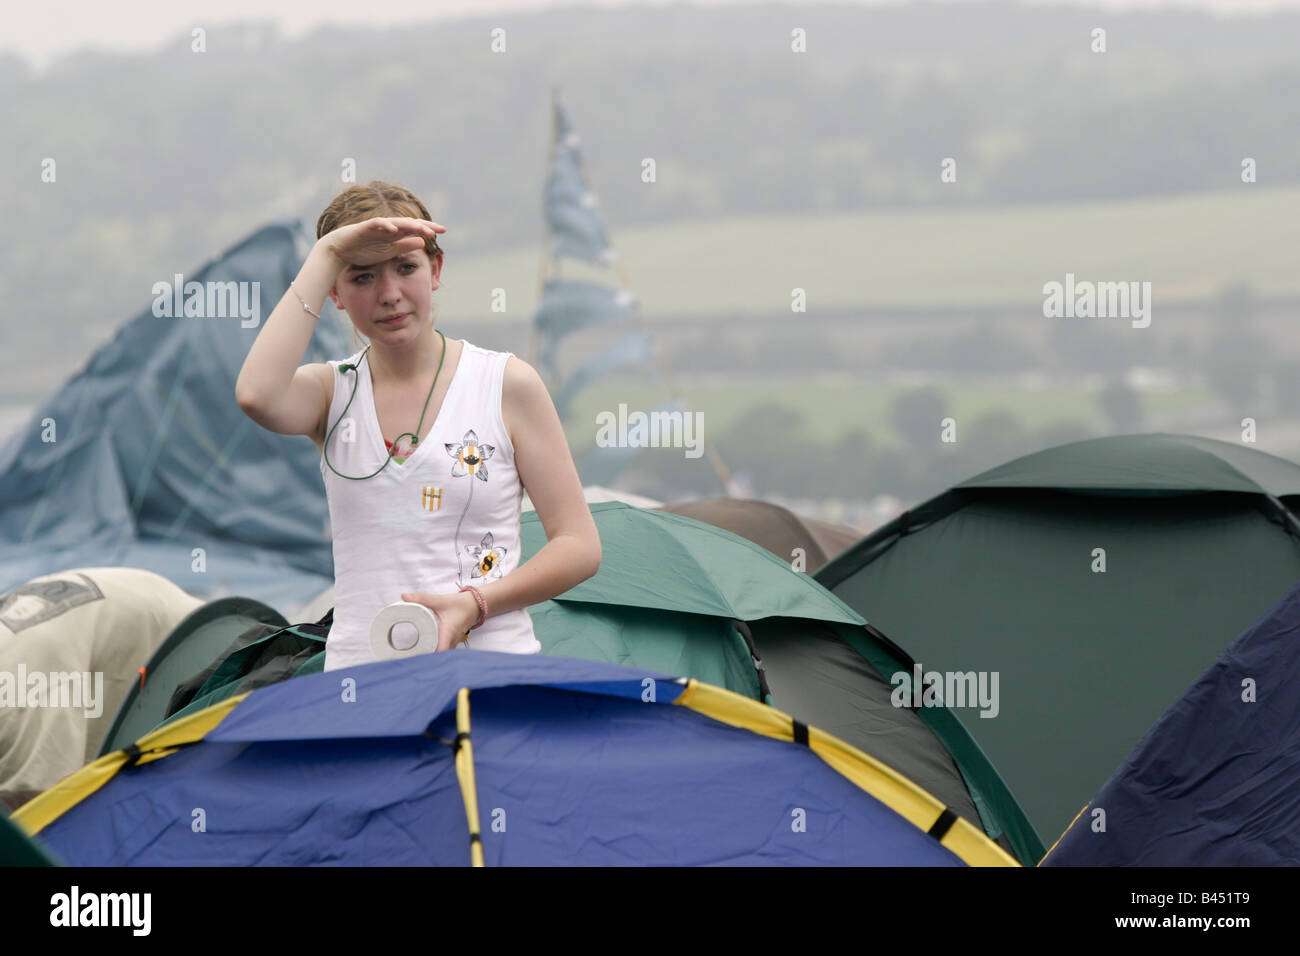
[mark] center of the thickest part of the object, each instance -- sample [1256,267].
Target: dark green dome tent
[1098,579]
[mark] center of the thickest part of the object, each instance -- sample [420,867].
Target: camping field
[831,408]
[1187,246]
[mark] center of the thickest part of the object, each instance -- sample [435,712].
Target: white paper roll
[382,637]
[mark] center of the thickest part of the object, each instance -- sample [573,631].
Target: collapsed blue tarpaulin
[144,459]
[574,762]
[1216,781]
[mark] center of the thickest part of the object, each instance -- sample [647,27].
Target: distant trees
[772,445]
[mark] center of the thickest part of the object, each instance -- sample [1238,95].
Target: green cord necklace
[415,436]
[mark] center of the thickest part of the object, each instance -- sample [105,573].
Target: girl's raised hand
[379,239]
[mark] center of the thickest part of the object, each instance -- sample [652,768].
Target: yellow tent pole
[465,773]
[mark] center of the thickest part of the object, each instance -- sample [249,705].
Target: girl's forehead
[414,255]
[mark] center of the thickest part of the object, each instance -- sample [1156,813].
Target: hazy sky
[51,28]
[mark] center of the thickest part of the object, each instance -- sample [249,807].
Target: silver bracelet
[304,304]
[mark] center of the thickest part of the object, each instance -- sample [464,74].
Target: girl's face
[389,301]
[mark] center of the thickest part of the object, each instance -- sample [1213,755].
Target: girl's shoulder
[469,346]
[490,354]
[486,359]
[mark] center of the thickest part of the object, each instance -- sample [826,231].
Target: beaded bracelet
[482,605]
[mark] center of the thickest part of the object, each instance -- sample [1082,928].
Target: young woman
[427,443]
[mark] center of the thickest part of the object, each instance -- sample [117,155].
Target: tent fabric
[195,686]
[144,459]
[277,656]
[776,528]
[18,849]
[799,656]
[573,762]
[203,637]
[827,667]
[83,622]
[670,642]
[1158,463]
[678,623]
[1007,581]
[656,559]
[835,677]
[1213,783]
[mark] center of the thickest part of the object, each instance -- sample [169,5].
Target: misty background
[775,171]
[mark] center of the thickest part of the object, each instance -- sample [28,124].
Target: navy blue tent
[495,759]
[1216,781]
[144,459]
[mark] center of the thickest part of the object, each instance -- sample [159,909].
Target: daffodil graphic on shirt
[469,458]
[488,558]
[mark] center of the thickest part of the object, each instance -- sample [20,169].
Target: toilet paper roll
[408,612]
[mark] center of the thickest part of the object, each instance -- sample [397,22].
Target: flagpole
[534,351]
[625,285]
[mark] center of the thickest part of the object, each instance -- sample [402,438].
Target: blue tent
[495,759]
[1216,781]
[144,459]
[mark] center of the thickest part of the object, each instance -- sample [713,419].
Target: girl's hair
[375,198]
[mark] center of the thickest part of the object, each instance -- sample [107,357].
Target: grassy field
[830,410]
[1186,246]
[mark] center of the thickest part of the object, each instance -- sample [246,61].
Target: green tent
[19,849]
[267,659]
[1097,579]
[204,636]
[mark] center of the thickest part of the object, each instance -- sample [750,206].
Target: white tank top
[448,515]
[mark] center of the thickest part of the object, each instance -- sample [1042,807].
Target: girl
[427,442]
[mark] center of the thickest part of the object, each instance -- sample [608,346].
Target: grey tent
[773,526]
